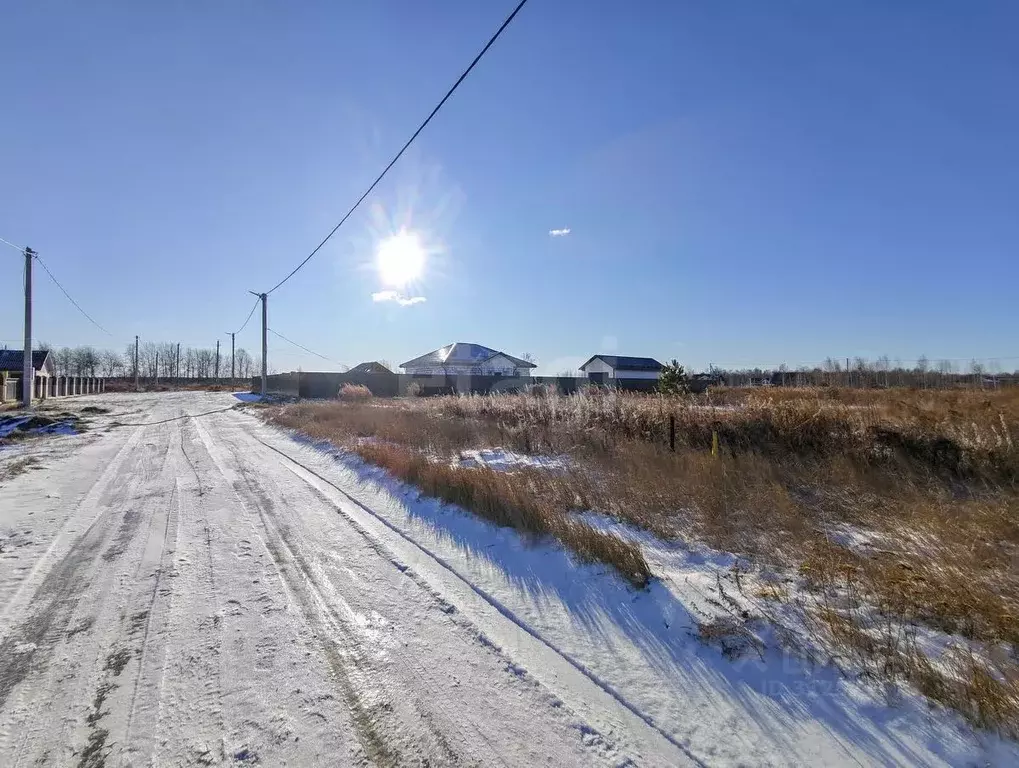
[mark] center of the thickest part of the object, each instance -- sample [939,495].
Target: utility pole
[217,361]
[177,365]
[265,338]
[233,357]
[27,369]
[155,371]
[137,387]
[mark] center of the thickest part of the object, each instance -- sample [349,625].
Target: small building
[700,382]
[372,367]
[602,369]
[463,359]
[12,363]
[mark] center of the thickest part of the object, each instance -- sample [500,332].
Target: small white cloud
[559,232]
[403,301]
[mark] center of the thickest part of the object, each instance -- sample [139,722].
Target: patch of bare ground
[18,466]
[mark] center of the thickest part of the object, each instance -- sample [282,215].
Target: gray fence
[325,385]
[45,387]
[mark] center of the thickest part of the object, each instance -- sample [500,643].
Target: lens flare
[400,259]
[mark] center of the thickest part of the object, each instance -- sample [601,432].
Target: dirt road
[182,593]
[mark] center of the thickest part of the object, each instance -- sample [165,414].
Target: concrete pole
[217,361]
[265,343]
[137,387]
[233,357]
[27,369]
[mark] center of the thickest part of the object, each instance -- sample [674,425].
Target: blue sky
[743,182]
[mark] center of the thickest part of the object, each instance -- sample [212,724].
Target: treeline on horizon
[154,359]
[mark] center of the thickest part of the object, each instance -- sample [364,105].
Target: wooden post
[672,432]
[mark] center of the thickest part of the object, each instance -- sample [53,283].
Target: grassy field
[790,479]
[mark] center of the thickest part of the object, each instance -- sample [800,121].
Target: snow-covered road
[208,591]
[180,594]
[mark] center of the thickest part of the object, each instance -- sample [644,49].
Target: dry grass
[932,475]
[521,501]
[17,467]
[355,393]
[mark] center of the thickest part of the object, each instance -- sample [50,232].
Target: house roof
[372,367]
[462,353]
[622,362]
[13,359]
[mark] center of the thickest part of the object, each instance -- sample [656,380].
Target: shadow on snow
[780,693]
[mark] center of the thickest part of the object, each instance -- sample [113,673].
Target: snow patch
[503,460]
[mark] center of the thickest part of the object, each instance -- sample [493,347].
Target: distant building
[12,362]
[461,359]
[601,369]
[372,367]
[700,382]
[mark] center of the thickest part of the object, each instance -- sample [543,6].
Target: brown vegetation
[353,393]
[932,476]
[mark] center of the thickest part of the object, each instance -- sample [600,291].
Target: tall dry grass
[933,476]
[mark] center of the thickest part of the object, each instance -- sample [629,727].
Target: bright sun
[400,259]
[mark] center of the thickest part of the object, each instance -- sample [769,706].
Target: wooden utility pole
[155,371]
[217,360]
[27,369]
[137,386]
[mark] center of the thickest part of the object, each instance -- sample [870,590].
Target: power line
[301,346]
[12,245]
[253,308]
[76,305]
[409,142]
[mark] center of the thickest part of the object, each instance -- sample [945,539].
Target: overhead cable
[405,146]
[69,298]
[301,346]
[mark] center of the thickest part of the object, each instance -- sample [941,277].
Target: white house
[601,368]
[467,359]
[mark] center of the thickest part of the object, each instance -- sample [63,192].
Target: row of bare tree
[861,372]
[162,360]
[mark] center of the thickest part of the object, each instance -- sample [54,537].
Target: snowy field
[212,591]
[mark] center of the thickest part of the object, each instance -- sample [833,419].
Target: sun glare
[400,259]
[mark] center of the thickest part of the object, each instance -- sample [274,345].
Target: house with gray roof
[371,367]
[601,369]
[464,359]
[12,362]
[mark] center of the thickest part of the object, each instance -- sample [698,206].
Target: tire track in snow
[374,713]
[149,616]
[90,505]
[503,610]
[88,583]
[193,618]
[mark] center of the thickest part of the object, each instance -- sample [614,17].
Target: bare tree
[129,356]
[205,359]
[243,363]
[63,358]
[85,361]
[110,363]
